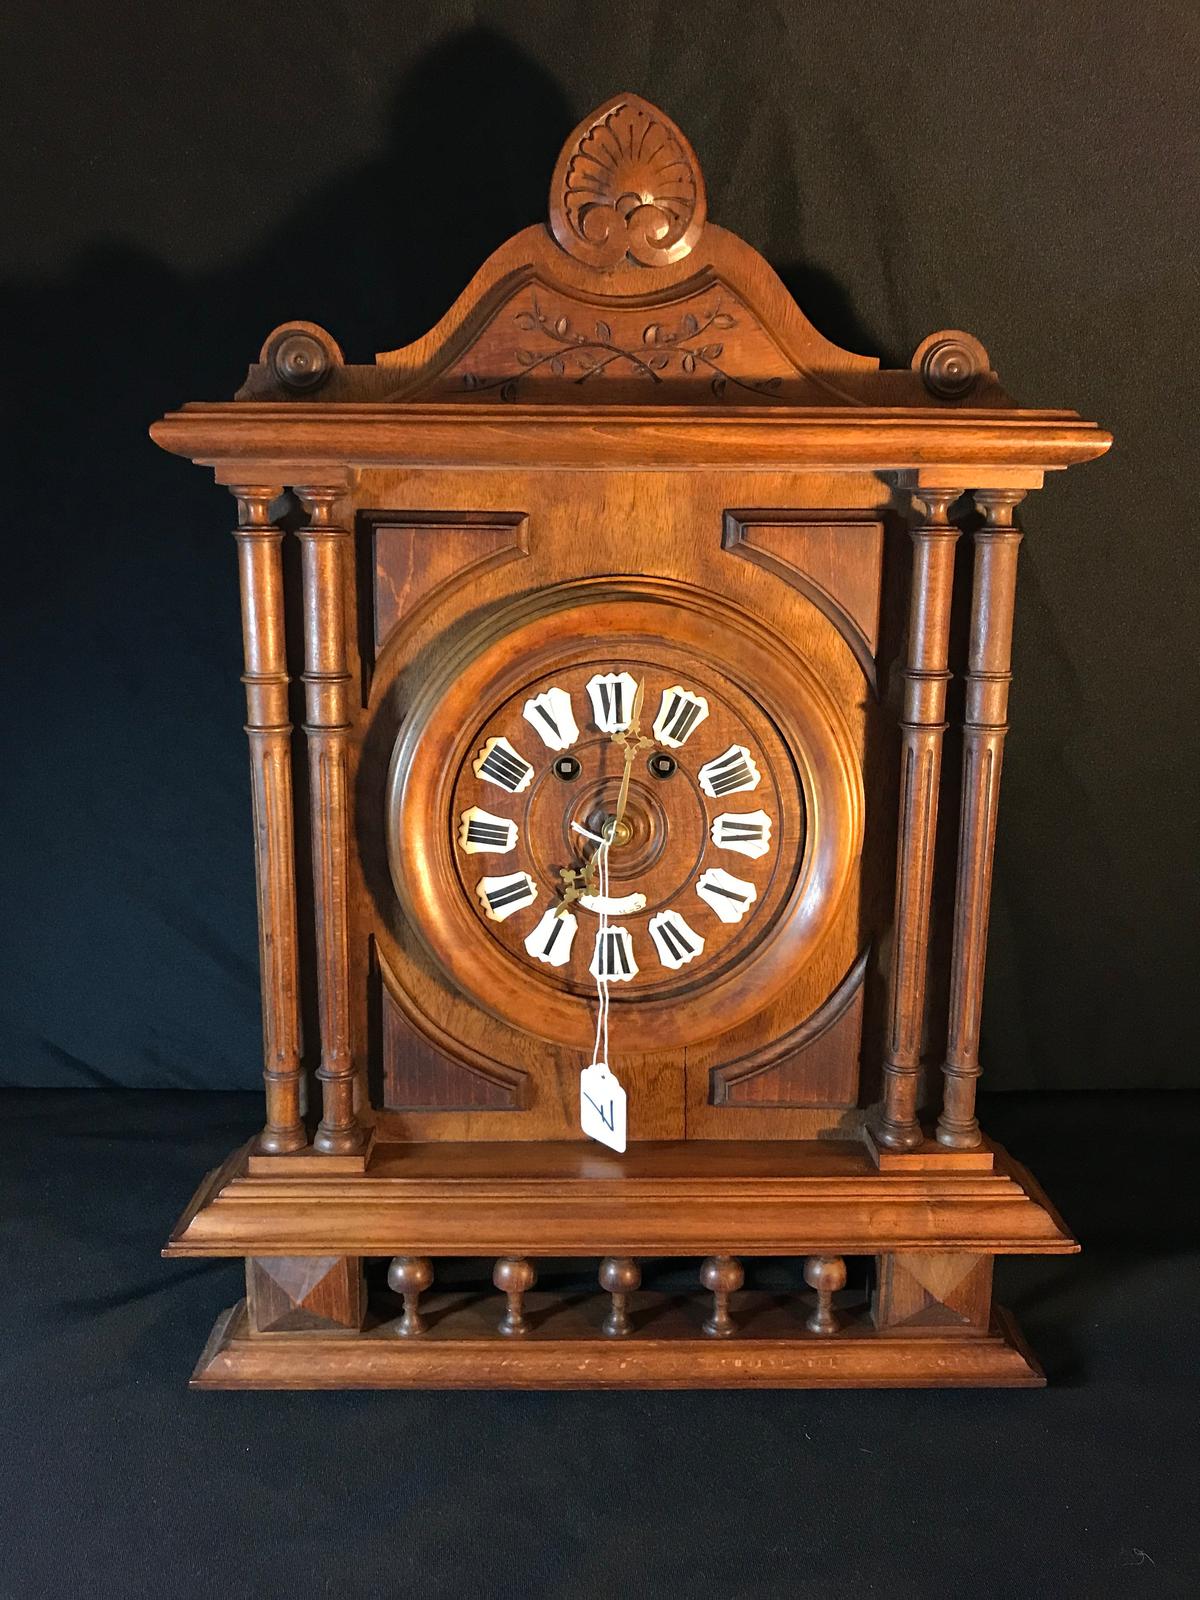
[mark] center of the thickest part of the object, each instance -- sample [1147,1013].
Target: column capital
[998,506]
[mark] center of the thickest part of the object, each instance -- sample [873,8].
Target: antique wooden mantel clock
[608,860]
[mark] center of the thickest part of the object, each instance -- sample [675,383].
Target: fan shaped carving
[627,184]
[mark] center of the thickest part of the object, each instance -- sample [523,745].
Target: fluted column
[269,730]
[326,553]
[922,728]
[985,724]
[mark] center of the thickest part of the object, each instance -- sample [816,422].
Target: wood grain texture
[837,564]
[624,437]
[672,1198]
[985,724]
[930,1292]
[305,1294]
[327,682]
[419,561]
[925,677]
[815,1065]
[305,434]
[418,1076]
[269,729]
[566,1349]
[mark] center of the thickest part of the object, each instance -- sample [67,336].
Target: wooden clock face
[712,830]
[743,820]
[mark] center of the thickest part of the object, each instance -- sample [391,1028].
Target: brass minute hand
[631,741]
[579,881]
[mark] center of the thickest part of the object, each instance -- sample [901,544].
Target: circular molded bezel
[516,645]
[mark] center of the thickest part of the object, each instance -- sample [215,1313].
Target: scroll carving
[627,184]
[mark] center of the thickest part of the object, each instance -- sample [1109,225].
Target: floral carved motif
[690,348]
[627,184]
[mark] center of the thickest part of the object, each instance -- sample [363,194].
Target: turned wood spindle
[985,724]
[409,1277]
[269,729]
[825,1274]
[514,1277]
[327,680]
[723,1277]
[924,724]
[620,1276]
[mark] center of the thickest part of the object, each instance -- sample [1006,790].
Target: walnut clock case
[623,559]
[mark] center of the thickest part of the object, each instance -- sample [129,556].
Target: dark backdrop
[182,178]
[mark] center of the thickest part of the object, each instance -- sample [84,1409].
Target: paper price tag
[602,1106]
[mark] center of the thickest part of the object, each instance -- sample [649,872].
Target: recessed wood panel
[837,562]
[418,1076]
[816,1065]
[425,556]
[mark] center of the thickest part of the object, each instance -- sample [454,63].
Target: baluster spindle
[923,726]
[409,1277]
[985,724]
[825,1274]
[620,1276]
[514,1277]
[723,1276]
[269,730]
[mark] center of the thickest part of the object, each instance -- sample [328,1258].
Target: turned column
[922,728]
[984,725]
[327,680]
[269,730]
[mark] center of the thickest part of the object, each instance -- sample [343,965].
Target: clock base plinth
[931,1235]
[566,1348]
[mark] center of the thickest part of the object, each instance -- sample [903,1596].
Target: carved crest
[627,184]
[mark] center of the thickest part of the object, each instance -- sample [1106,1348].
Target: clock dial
[765,788]
[675,912]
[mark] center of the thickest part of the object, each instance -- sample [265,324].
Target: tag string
[600,1047]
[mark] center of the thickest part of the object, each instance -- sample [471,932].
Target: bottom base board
[565,1348]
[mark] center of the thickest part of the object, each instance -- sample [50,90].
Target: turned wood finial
[410,1276]
[951,363]
[627,184]
[514,1277]
[300,356]
[723,1276]
[620,1276]
[825,1274]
